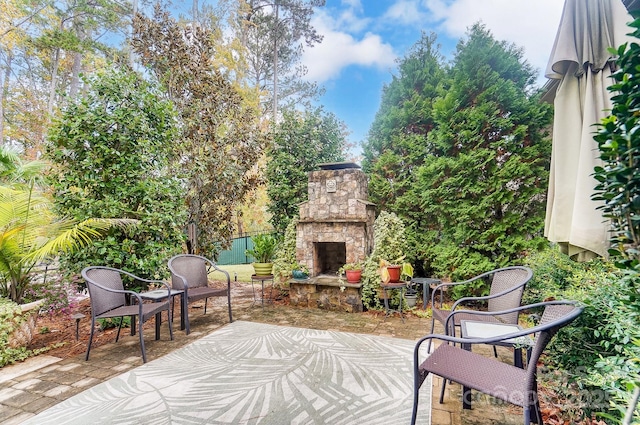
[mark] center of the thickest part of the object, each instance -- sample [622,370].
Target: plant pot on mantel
[263,269]
[353,276]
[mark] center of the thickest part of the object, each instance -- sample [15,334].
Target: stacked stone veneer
[338,210]
[327,295]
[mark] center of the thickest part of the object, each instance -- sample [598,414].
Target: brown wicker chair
[507,286]
[189,273]
[488,375]
[109,299]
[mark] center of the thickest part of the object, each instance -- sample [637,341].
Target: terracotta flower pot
[353,276]
[394,274]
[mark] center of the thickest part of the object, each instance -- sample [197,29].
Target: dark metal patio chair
[189,273]
[507,287]
[109,299]
[489,375]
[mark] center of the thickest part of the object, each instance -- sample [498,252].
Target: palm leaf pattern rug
[253,373]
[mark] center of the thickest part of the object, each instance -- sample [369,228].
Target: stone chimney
[336,224]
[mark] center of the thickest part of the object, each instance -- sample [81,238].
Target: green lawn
[243,271]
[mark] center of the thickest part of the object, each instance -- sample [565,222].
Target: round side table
[402,286]
[261,279]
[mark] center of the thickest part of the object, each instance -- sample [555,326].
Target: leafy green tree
[220,140]
[301,141]
[110,153]
[44,48]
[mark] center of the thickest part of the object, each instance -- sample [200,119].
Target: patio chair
[489,375]
[189,273]
[507,286]
[109,299]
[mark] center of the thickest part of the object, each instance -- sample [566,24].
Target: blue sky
[363,39]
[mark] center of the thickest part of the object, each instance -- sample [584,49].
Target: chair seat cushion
[201,292]
[475,371]
[148,310]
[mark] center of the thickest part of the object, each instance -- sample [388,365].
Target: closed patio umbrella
[582,65]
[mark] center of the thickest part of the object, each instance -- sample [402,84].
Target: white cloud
[405,12]
[340,49]
[529,24]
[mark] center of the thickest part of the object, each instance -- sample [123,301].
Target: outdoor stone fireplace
[335,227]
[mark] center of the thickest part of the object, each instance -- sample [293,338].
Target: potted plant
[352,272]
[394,271]
[411,296]
[300,272]
[263,251]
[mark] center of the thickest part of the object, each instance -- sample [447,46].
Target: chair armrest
[133,294]
[215,267]
[154,281]
[185,283]
[226,273]
[512,335]
[460,340]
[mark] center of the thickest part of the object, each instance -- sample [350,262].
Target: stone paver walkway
[23,395]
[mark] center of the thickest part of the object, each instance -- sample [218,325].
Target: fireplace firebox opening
[330,256]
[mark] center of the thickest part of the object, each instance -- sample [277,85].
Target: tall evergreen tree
[483,186]
[274,34]
[480,160]
[221,139]
[397,143]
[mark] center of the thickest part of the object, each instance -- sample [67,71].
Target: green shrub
[10,320]
[555,272]
[285,257]
[114,322]
[389,241]
[596,353]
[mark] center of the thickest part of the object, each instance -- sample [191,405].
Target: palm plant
[29,230]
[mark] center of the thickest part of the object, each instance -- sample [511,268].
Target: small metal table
[402,286]
[426,282]
[257,278]
[477,329]
[159,295]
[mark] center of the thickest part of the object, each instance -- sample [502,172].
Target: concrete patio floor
[25,394]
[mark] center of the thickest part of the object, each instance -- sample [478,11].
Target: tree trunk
[3,94]
[77,57]
[275,66]
[52,88]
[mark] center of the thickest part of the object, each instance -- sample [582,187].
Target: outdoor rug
[253,373]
